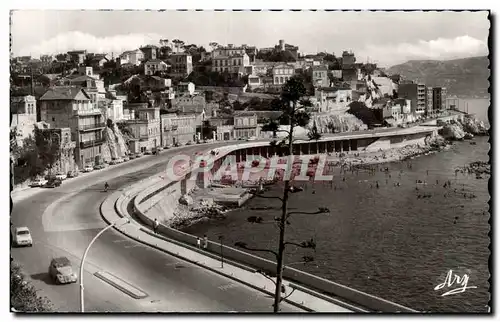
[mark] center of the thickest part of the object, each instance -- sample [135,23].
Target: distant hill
[466,77]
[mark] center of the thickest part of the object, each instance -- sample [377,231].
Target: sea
[398,241]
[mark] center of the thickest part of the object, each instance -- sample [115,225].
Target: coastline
[191,213]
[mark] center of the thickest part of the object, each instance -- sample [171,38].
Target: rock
[453,132]
[186,200]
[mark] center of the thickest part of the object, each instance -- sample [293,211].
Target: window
[281,80]
[276,80]
[53,119]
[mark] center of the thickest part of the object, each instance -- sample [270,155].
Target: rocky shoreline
[464,129]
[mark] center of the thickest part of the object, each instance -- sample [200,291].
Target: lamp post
[221,253]
[82,303]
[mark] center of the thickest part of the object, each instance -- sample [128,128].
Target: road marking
[121,285]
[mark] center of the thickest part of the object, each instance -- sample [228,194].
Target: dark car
[53,183]
[61,271]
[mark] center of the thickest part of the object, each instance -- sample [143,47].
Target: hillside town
[85,110]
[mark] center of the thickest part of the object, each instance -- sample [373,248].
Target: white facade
[152,66]
[24,118]
[282,73]
[332,99]
[231,64]
[133,57]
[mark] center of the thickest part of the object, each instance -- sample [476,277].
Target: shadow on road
[43,277]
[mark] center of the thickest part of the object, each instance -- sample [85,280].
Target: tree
[314,133]
[214,45]
[178,43]
[293,107]
[23,297]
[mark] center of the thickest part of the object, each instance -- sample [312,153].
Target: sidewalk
[110,212]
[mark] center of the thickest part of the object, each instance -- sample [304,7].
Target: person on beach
[156,224]
[205,242]
[198,242]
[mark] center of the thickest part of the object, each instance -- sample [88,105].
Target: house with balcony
[23,112]
[233,64]
[71,107]
[245,125]
[132,57]
[145,129]
[155,65]
[417,94]
[182,64]
[282,73]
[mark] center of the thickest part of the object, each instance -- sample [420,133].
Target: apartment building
[182,64]
[150,52]
[245,125]
[417,94]
[231,50]
[145,129]
[234,64]
[71,107]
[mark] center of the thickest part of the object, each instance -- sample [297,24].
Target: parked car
[38,182]
[138,155]
[23,237]
[72,174]
[126,158]
[148,152]
[114,161]
[189,143]
[132,156]
[177,144]
[88,168]
[61,271]
[53,183]
[61,176]
[252,138]
[100,166]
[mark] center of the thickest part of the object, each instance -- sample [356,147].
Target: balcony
[94,111]
[87,127]
[90,143]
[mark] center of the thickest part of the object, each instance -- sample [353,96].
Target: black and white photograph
[242,161]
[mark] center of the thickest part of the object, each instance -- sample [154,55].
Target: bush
[23,297]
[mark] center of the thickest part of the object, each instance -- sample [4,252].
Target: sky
[386,38]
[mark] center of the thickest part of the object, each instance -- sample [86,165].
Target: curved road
[64,220]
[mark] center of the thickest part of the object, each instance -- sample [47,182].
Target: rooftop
[62,93]
[245,113]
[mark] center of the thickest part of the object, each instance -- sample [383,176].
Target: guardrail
[322,285]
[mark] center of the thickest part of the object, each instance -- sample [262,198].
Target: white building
[154,65]
[282,73]
[133,57]
[231,64]
[331,99]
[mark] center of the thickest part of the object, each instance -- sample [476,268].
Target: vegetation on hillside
[23,295]
[466,77]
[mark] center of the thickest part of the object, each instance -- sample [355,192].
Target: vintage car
[100,166]
[38,182]
[72,174]
[53,183]
[23,237]
[61,271]
[61,176]
[88,168]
